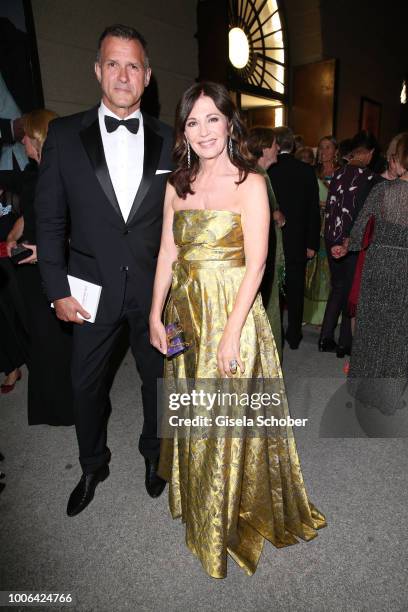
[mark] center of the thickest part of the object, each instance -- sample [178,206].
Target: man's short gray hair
[285,138]
[127,33]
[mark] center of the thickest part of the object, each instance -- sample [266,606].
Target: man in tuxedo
[297,192]
[103,176]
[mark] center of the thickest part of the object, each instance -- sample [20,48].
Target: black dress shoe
[342,351]
[294,344]
[154,484]
[84,492]
[327,345]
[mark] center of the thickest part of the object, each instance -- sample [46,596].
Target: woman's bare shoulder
[255,179]
[254,183]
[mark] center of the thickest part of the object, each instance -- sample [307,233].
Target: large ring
[233,364]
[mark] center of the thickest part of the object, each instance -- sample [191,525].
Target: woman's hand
[229,351]
[33,258]
[11,244]
[158,336]
[310,253]
[338,251]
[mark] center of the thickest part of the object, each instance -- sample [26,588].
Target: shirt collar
[104,110]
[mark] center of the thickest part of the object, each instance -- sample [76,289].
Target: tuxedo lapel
[92,142]
[152,149]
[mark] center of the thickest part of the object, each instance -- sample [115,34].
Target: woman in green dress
[317,286]
[263,145]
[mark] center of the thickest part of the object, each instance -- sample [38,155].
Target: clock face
[256,44]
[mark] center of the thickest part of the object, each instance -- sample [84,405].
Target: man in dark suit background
[106,169]
[297,192]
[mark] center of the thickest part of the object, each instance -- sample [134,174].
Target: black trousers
[341,279]
[93,345]
[295,289]
[14,340]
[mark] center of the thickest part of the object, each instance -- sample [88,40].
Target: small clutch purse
[176,343]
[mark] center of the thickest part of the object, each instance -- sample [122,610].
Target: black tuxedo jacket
[75,199]
[297,192]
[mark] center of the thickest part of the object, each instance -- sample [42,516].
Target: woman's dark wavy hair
[183,176]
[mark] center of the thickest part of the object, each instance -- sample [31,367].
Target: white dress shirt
[124,154]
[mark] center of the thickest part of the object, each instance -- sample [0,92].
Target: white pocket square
[162,171]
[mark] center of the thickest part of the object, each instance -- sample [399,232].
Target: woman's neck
[215,166]
[390,176]
[264,163]
[328,167]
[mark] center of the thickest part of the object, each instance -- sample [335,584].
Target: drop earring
[230,149]
[188,155]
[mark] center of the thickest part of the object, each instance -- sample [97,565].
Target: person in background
[340,213]
[49,353]
[295,186]
[306,155]
[379,362]
[13,337]
[344,152]
[298,142]
[262,144]
[317,286]
[391,172]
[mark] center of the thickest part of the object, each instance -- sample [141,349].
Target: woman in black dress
[49,383]
[13,337]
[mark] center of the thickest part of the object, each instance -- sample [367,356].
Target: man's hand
[18,129]
[279,218]
[67,310]
[310,253]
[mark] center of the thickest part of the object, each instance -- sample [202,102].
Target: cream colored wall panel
[171,87]
[67,35]
[68,73]
[304,26]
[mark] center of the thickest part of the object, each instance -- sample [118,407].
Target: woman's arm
[255,218]
[167,255]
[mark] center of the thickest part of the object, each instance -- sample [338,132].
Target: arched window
[257,56]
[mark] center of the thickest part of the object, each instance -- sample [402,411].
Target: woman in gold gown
[232,493]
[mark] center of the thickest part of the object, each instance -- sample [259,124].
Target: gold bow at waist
[209,263]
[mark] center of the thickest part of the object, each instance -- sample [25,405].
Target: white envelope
[87,294]
[162,171]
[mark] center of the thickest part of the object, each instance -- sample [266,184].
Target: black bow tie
[112,124]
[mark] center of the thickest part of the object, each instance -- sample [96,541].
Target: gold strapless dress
[232,493]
